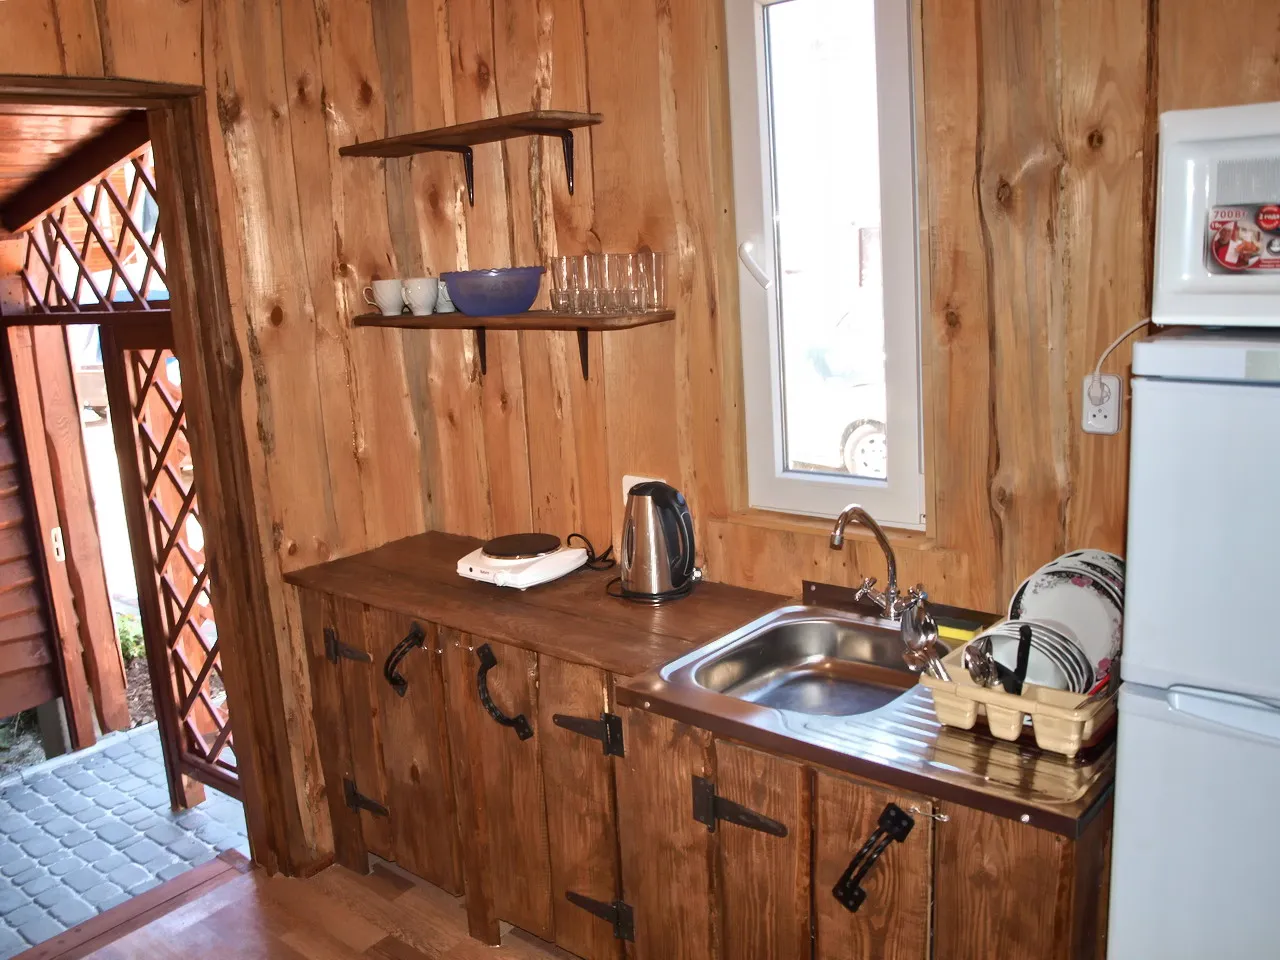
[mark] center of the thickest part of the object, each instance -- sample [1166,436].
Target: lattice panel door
[181,574]
[100,250]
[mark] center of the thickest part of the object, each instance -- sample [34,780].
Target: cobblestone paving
[84,832]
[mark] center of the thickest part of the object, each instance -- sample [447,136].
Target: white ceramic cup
[444,303]
[420,294]
[386,295]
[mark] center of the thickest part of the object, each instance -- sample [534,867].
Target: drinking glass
[589,285]
[564,277]
[653,280]
[614,279]
[625,283]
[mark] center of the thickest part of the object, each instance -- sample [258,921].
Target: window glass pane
[821,65]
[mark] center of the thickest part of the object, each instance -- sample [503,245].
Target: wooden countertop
[571,618]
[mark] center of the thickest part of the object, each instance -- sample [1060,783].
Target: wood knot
[1004,193]
[291,547]
[505,401]
[229,109]
[276,112]
[365,96]
[1096,139]
[482,73]
[952,317]
[1002,496]
[277,315]
[303,88]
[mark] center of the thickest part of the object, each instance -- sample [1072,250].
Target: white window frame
[899,500]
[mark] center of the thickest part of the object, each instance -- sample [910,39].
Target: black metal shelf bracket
[617,913]
[566,144]
[709,808]
[608,730]
[468,166]
[358,801]
[481,351]
[894,826]
[335,649]
[487,662]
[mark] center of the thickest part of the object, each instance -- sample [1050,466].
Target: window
[824,172]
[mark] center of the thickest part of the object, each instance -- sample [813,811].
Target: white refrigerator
[1196,851]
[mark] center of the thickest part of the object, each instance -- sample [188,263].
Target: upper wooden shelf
[583,323]
[461,137]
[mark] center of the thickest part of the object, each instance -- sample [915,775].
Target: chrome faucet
[919,631]
[891,605]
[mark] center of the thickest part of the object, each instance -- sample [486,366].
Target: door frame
[213,372]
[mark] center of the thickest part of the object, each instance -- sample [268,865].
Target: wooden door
[501,805]
[667,856]
[409,726]
[341,701]
[892,923]
[764,878]
[1012,890]
[581,820]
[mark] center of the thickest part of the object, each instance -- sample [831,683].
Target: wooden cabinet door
[501,807]
[667,856]
[342,702]
[1012,890]
[892,923]
[764,878]
[581,823]
[410,729]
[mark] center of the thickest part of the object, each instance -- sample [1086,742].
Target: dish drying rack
[1063,722]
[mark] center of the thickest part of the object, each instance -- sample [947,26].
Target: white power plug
[1101,403]
[629,481]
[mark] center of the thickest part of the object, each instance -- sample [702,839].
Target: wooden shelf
[461,137]
[583,323]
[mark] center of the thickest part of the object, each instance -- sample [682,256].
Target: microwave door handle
[1246,714]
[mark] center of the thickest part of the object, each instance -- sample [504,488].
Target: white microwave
[1218,218]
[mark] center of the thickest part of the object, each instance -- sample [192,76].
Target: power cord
[595,561]
[1097,389]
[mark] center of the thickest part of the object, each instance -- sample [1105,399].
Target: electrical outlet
[629,481]
[1102,404]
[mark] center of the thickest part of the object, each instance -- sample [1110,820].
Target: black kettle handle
[669,498]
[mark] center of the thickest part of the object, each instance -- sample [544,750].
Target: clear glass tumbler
[590,286]
[652,268]
[564,278]
[624,282]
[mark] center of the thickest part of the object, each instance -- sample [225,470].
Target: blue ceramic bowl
[494,293]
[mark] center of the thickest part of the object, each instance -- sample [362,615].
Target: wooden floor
[241,913]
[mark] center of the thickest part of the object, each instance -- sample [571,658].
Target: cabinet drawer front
[764,879]
[893,921]
[417,776]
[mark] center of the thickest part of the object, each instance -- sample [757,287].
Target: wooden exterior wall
[1038,144]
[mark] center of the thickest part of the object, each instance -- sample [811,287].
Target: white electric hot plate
[521,560]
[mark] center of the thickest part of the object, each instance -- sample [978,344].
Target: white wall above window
[824,173]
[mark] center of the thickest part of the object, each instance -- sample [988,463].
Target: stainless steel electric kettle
[657,544]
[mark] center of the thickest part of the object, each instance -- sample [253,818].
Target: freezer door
[1204,536]
[1196,832]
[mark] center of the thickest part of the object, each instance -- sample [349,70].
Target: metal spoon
[920,634]
[980,662]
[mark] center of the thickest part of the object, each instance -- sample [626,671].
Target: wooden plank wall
[1038,136]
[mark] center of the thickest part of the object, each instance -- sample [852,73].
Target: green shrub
[129,630]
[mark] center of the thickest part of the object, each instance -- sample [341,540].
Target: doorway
[96,256]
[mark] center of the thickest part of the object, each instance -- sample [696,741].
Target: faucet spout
[888,600]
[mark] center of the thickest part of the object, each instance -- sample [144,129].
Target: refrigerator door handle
[1246,714]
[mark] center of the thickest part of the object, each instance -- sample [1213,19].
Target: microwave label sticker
[1243,238]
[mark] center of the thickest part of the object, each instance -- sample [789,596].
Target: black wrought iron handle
[487,662]
[415,638]
[894,825]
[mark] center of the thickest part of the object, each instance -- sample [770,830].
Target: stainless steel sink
[808,660]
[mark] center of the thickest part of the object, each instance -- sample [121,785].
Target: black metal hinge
[358,801]
[335,649]
[608,730]
[708,808]
[617,913]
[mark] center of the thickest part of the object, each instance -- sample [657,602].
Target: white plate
[1077,602]
[1055,638]
[1042,668]
[1103,576]
[1100,557]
